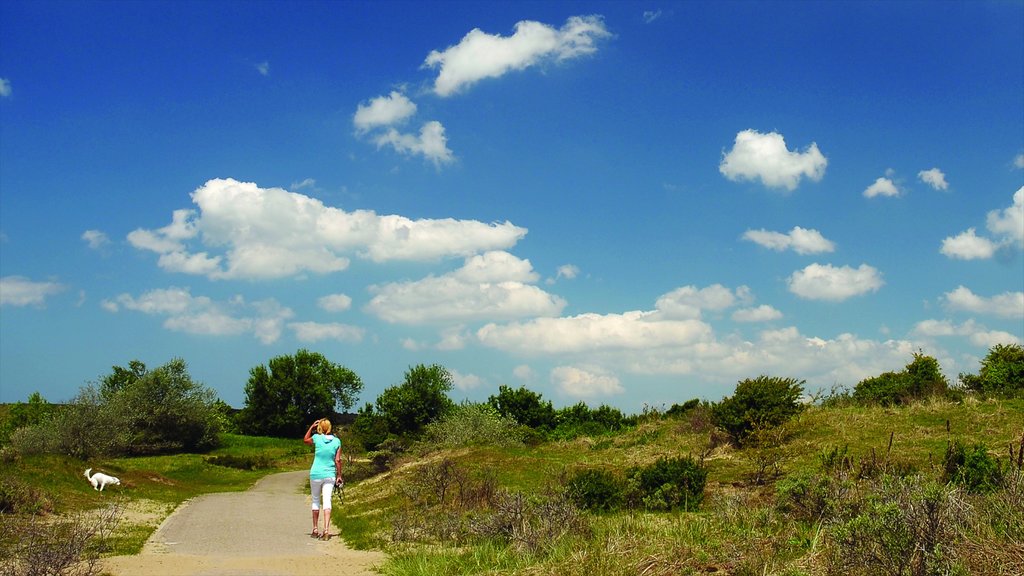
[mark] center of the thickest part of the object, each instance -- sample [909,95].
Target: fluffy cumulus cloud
[799,240]
[388,110]
[334,302]
[762,313]
[184,312]
[1005,305]
[835,284]
[20,291]
[480,55]
[975,333]
[934,178]
[882,187]
[690,301]
[578,382]
[491,286]
[273,233]
[1006,227]
[318,331]
[652,343]
[95,239]
[764,157]
[431,143]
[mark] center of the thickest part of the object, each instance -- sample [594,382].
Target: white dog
[100,480]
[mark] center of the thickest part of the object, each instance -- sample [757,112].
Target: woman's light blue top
[324,446]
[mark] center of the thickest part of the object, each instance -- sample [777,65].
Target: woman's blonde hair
[324,427]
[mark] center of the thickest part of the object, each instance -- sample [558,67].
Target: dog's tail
[87,470]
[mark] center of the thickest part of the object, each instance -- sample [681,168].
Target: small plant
[973,468]
[593,489]
[762,402]
[68,546]
[668,484]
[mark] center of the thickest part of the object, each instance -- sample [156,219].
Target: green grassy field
[738,529]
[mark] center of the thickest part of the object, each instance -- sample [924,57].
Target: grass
[738,531]
[153,486]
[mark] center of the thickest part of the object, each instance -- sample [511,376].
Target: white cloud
[316,331]
[762,313]
[764,157]
[334,302]
[307,183]
[5,88]
[975,333]
[591,332]
[95,239]
[800,240]
[934,178]
[579,382]
[465,382]
[568,271]
[491,286]
[882,187]
[1005,305]
[524,373]
[431,143]
[1018,161]
[968,246]
[263,68]
[20,291]
[480,55]
[690,301]
[453,338]
[826,282]
[1009,223]
[273,233]
[394,108]
[651,15]
[1006,224]
[201,315]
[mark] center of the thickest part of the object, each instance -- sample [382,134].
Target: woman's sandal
[325,536]
[314,534]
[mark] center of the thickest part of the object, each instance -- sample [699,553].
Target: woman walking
[324,473]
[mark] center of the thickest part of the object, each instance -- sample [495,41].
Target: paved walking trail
[263,531]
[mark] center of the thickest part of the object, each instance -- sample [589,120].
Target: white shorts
[322,489]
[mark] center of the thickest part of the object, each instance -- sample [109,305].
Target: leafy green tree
[419,400]
[762,402]
[524,406]
[162,410]
[121,377]
[291,391]
[1002,372]
[24,414]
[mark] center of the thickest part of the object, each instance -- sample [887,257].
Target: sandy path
[263,531]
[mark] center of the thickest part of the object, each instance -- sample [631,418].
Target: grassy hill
[833,489]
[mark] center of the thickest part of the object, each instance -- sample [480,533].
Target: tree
[291,391]
[121,377]
[762,402]
[921,378]
[1002,372]
[524,406]
[419,400]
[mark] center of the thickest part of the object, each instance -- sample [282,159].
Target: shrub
[472,424]
[973,468]
[668,484]
[920,379]
[67,546]
[1002,372]
[593,489]
[524,406]
[580,420]
[762,402]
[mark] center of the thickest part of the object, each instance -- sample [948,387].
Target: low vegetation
[906,474]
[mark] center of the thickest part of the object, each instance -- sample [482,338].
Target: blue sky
[625,203]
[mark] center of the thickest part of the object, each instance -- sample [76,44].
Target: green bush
[920,379]
[1002,372]
[525,407]
[758,403]
[668,484]
[593,489]
[973,468]
[472,424]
